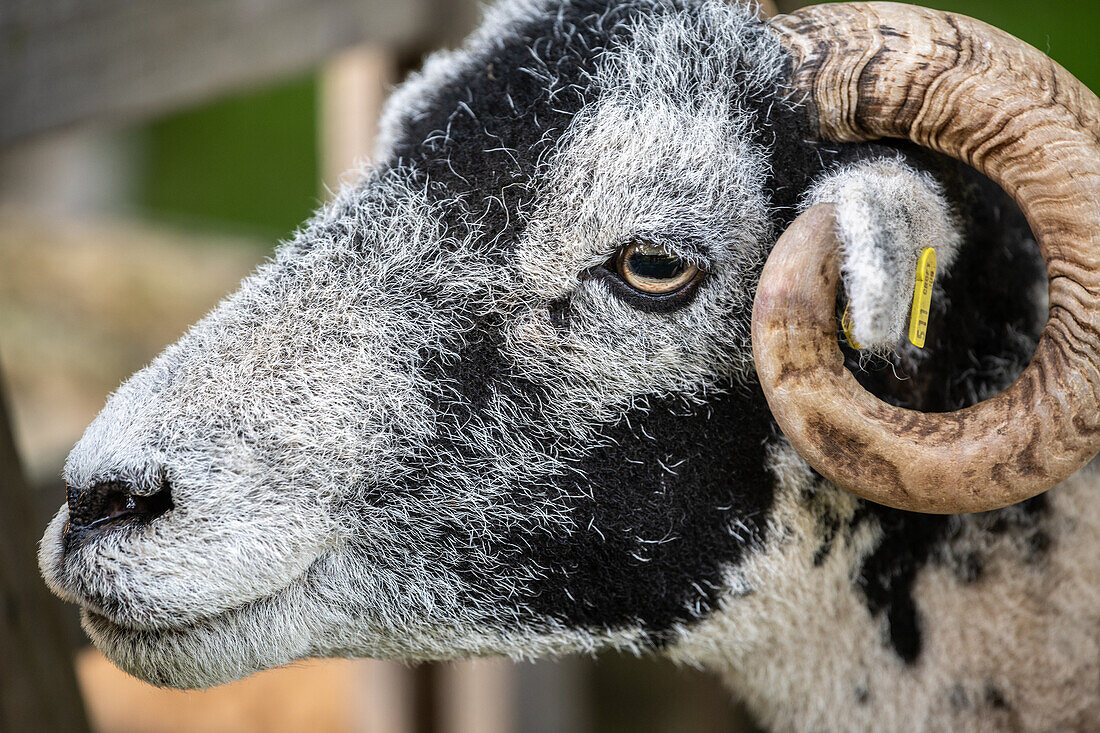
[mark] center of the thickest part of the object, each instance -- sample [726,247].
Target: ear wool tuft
[887,213]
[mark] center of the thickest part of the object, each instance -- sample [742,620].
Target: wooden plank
[354,86]
[553,695]
[64,62]
[310,696]
[385,692]
[38,689]
[476,696]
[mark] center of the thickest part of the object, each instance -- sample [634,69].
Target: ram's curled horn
[965,89]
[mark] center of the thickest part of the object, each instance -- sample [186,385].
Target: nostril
[144,508]
[114,501]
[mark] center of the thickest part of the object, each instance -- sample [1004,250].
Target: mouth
[201,654]
[132,577]
[95,616]
[209,650]
[108,613]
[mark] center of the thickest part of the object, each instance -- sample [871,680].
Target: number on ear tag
[922,297]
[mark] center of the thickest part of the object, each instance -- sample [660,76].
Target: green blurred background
[248,162]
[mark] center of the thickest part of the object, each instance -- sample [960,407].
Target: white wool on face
[667,157]
[258,422]
[886,214]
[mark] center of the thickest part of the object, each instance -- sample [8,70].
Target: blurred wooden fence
[65,62]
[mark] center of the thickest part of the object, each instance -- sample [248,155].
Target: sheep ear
[887,213]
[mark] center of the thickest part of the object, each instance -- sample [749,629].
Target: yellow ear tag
[922,297]
[846,326]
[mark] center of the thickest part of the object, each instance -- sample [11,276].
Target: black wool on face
[655,522]
[478,148]
[678,494]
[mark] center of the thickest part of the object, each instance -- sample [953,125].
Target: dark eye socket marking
[649,277]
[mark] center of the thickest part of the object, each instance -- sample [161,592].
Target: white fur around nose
[886,214]
[260,421]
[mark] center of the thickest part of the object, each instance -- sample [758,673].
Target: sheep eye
[652,270]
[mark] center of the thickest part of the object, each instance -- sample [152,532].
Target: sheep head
[498,396]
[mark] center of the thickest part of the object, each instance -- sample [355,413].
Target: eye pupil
[656,266]
[653,270]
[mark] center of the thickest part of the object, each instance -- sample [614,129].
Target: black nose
[113,502]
